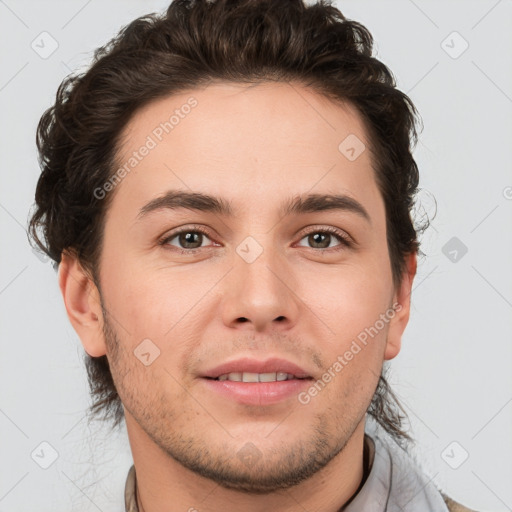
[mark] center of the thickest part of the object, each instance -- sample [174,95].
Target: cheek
[348,299]
[354,303]
[156,303]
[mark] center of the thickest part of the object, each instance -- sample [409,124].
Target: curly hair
[190,45]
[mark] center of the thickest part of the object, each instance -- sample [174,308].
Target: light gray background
[454,370]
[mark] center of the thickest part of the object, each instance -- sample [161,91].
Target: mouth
[257,377]
[251,382]
[252,370]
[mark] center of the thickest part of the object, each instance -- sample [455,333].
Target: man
[227,194]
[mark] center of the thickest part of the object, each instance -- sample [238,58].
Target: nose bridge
[260,289]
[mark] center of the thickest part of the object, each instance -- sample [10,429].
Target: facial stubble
[222,459]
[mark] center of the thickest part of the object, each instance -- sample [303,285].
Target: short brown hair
[193,43]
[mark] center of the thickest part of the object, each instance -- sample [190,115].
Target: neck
[162,481]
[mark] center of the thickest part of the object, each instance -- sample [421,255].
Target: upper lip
[247,365]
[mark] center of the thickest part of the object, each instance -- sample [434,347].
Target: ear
[402,306]
[82,301]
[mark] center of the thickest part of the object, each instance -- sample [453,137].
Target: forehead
[258,142]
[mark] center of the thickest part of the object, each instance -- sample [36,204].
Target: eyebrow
[300,204]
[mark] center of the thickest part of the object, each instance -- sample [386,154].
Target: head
[257,105]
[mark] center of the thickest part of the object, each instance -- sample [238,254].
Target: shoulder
[453,506]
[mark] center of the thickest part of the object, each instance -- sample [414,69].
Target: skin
[256,147]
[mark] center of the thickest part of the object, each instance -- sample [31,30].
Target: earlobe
[402,307]
[82,302]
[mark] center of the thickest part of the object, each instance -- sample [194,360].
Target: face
[250,276]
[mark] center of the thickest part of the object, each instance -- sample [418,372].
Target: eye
[191,239]
[187,239]
[323,238]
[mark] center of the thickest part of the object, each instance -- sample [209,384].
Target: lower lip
[258,393]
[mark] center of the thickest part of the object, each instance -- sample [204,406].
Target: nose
[259,295]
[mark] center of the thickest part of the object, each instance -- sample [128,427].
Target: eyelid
[185,229]
[344,239]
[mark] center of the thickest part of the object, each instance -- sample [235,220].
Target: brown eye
[320,240]
[326,239]
[186,239]
[190,239]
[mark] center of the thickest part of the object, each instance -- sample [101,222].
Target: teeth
[267,377]
[250,377]
[256,377]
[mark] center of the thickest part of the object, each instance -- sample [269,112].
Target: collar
[395,482]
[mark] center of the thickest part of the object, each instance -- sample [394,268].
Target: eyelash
[192,229]
[344,240]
